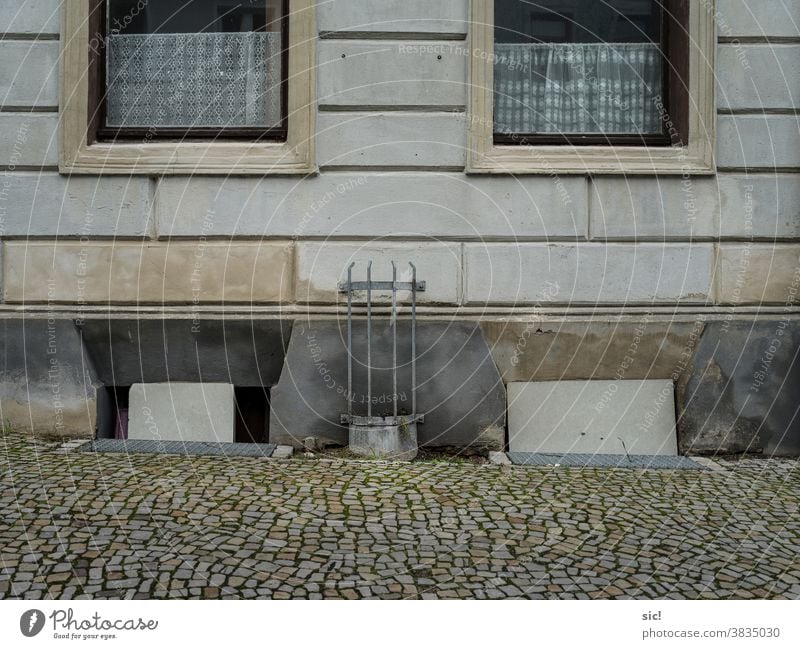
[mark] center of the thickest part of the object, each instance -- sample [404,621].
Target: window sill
[210,158]
[696,159]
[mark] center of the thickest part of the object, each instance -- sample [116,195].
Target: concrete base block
[460,391]
[48,386]
[739,392]
[539,350]
[609,417]
[388,442]
[242,352]
[190,412]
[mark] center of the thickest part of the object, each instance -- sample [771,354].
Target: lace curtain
[181,80]
[577,88]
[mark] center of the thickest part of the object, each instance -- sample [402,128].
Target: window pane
[193,63]
[578,67]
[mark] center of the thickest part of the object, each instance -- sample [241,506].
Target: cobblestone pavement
[116,526]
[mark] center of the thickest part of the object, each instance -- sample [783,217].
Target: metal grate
[587,460]
[178,448]
[350,288]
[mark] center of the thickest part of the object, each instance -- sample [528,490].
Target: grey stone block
[758,274]
[653,208]
[391,139]
[607,417]
[537,273]
[444,16]
[47,383]
[30,17]
[242,352]
[28,139]
[736,18]
[739,393]
[758,141]
[384,204]
[460,391]
[190,412]
[387,73]
[321,266]
[644,347]
[758,76]
[29,73]
[48,204]
[760,206]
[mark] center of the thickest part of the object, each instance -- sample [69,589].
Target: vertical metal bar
[413,338]
[369,339]
[350,341]
[394,337]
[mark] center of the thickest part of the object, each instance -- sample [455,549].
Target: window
[579,72]
[601,86]
[197,68]
[188,86]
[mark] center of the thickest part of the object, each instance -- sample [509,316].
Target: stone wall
[391,137]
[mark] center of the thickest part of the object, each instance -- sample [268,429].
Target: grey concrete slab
[188,412]
[609,417]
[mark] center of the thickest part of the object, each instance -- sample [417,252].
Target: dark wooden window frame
[675,93]
[98,132]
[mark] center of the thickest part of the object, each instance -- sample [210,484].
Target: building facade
[175,256]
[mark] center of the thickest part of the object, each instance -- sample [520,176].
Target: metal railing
[350,288]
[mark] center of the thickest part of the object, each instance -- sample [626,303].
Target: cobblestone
[116,526]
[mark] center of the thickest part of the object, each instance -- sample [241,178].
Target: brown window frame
[98,91]
[675,82]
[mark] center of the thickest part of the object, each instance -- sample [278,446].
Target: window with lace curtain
[188,87]
[581,71]
[591,87]
[190,69]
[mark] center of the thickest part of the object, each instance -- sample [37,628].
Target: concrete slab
[189,412]
[609,417]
